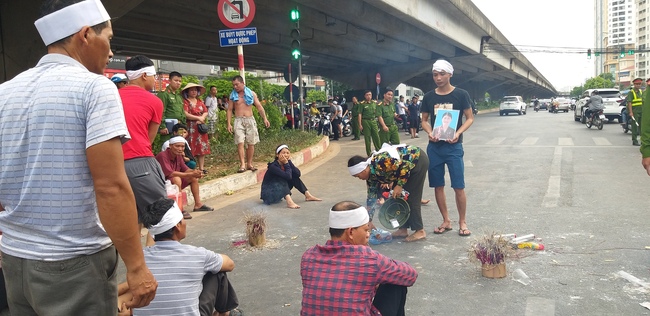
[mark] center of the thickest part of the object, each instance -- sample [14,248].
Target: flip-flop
[441,230]
[252,169]
[241,170]
[464,232]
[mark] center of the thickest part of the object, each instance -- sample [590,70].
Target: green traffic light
[294,15]
[295,53]
[630,52]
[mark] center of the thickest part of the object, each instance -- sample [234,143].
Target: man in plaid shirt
[343,276]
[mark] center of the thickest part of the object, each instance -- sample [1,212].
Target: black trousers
[414,186]
[217,295]
[335,127]
[390,299]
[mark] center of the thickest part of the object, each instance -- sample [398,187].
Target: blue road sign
[234,37]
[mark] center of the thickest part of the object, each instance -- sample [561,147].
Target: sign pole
[293,124]
[240,56]
[301,96]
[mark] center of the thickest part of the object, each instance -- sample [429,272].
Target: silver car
[512,104]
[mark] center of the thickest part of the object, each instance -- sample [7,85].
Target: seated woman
[281,177]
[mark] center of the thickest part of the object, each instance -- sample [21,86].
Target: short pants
[245,130]
[147,181]
[450,155]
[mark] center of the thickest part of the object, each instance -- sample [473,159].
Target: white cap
[335,103]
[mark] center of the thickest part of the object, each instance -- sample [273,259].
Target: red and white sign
[236,14]
[378,78]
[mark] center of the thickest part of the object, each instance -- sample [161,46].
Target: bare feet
[292,205]
[425,202]
[400,233]
[309,197]
[418,235]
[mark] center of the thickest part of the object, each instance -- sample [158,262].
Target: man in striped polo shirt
[199,274]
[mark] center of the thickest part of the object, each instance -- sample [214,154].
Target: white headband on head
[135,74]
[69,20]
[277,151]
[176,139]
[169,220]
[356,169]
[349,219]
[443,65]
[391,150]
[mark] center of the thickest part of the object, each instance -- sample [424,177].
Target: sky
[549,23]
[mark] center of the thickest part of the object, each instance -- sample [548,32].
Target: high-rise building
[643,40]
[616,34]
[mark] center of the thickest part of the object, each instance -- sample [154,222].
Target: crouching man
[199,274]
[175,170]
[345,275]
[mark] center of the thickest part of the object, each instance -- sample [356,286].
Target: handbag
[203,128]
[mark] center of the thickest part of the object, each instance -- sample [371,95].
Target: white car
[610,97]
[512,104]
[563,104]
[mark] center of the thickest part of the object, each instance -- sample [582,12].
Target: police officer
[354,119]
[368,121]
[388,130]
[634,109]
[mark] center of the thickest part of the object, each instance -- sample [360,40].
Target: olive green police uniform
[172,109]
[368,112]
[636,100]
[355,121]
[386,110]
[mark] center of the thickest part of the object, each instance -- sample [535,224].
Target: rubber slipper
[464,232]
[441,230]
[252,169]
[241,170]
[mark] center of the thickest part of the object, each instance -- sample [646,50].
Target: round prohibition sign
[236,13]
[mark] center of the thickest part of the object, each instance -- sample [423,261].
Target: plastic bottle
[524,238]
[172,191]
[531,245]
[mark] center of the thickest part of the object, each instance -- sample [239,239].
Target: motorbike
[536,107]
[346,126]
[626,120]
[597,119]
[552,108]
[325,124]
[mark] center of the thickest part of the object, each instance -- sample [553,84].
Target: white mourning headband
[443,65]
[349,219]
[358,168]
[176,139]
[169,220]
[277,151]
[69,20]
[135,74]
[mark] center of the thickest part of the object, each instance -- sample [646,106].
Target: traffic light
[630,51]
[589,53]
[294,15]
[622,53]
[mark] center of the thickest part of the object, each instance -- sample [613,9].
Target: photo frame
[443,128]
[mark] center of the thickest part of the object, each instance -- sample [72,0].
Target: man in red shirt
[343,276]
[176,171]
[143,113]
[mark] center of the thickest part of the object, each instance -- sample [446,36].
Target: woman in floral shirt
[402,168]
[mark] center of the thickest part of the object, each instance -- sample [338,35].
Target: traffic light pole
[301,95]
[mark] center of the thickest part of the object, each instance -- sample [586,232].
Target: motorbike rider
[536,104]
[634,107]
[595,104]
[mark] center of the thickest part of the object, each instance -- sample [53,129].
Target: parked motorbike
[346,126]
[325,124]
[597,119]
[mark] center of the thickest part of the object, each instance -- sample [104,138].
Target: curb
[238,181]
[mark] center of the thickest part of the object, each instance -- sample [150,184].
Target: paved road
[582,191]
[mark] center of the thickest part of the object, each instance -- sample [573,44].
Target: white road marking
[601,141]
[553,190]
[565,141]
[496,141]
[530,141]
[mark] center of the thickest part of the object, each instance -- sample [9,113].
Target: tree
[598,82]
[316,95]
[335,87]
[577,91]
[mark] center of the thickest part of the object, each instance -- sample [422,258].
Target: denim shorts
[446,154]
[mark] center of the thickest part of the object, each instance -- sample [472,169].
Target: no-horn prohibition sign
[236,13]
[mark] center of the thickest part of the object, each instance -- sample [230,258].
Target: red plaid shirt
[341,279]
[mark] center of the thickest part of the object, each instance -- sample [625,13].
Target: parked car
[563,104]
[610,101]
[512,104]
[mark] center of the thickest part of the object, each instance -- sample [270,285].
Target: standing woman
[196,113]
[281,177]
[402,167]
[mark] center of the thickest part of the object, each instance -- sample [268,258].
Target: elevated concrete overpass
[346,40]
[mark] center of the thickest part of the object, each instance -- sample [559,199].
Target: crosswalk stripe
[496,141]
[601,141]
[565,141]
[530,141]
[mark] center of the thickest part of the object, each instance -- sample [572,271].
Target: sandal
[251,168]
[441,230]
[241,170]
[464,232]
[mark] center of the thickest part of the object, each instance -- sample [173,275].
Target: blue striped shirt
[50,115]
